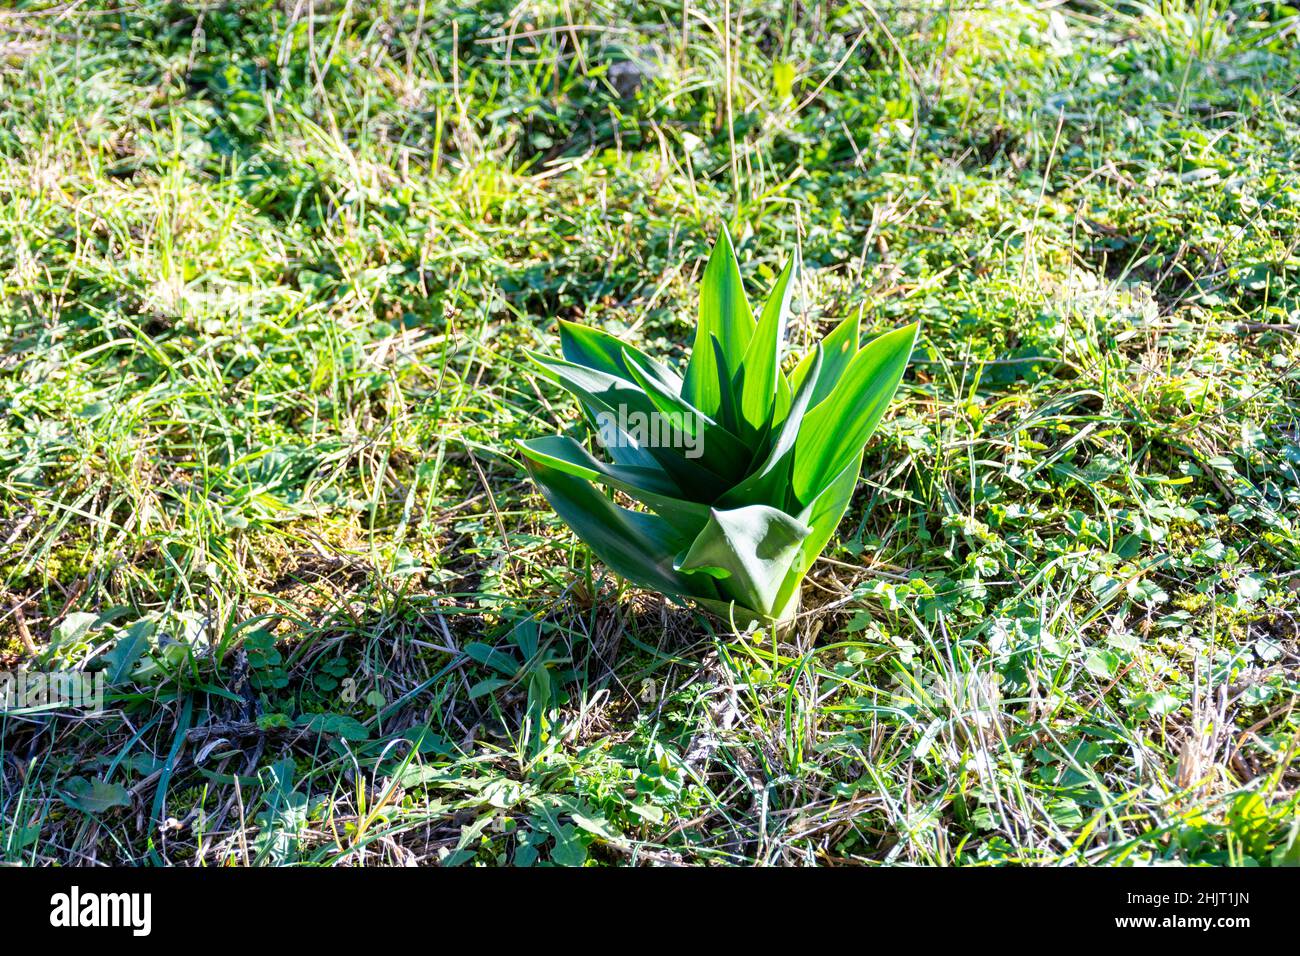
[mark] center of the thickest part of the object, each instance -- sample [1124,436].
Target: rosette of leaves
[735,519]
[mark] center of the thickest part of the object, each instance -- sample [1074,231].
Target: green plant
[745,472]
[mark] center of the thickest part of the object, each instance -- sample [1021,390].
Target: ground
[267,271]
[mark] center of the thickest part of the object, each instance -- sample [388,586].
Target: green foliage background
[267,270]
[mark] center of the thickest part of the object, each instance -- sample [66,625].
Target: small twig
[233,728]
[24,634]
[78,589]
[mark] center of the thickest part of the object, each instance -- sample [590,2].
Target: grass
[266,275]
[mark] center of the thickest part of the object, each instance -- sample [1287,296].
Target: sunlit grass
[265,300]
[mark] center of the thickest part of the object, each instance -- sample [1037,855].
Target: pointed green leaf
[598,390]
[728,390]
[724,312]
[781,404]
[637,546]
[601,392]
[597,349]
[716,448]
[561,451]
[823,517]
[838,350]
[769,483]
[835,432]
[651,487]
[624,451]
[761,365]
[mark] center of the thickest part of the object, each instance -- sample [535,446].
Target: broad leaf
[564,453]
[601,392]
[724,312]
[651,488]
[750,549]
[334,725]
[835,431]
[637,546]
[769,483]
[761,365]
[729,391]
[823,517]
[597,349]
[130,647]
[718,449]
[94,796]
[838,350]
